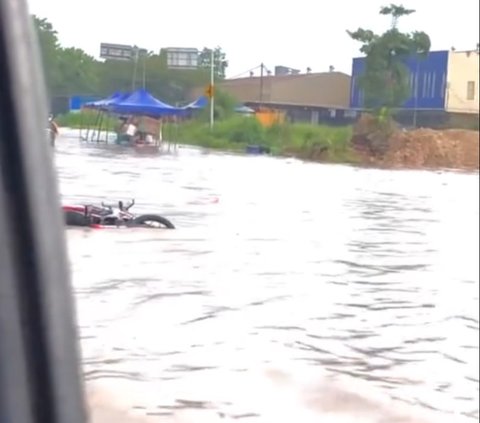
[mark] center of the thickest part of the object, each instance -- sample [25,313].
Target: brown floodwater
[371,275]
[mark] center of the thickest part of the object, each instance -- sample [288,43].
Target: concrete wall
[462,91]
[329,89]
[427,80]
[247,89]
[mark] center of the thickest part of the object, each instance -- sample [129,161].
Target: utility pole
[261,86]
[144,77]
[212,84]
[135,65]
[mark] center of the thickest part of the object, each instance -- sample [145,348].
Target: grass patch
[86,119]
[311,142]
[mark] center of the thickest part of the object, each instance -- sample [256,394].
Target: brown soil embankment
[416,149]
[428,148]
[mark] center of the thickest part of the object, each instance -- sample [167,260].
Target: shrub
[237,132]
[84,119]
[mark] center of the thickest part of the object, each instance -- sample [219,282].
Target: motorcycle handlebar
[127,207]
[106,206]
[120,205]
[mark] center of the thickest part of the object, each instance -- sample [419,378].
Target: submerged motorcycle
[108,216]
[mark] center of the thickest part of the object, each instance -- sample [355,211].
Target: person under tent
[127,130]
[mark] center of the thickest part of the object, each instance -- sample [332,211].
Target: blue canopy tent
[141,102]
[96,105]
[99,104]
[199,103]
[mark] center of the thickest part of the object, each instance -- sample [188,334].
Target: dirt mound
[389,146]
[370,137]
[428,148]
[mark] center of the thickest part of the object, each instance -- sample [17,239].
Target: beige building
[462,90]
[312,97]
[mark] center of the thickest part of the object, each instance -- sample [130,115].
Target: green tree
[385,81]
[114,75]
[78,72]
[49,47]
[71,71]
[220,61]
[224,107]
[67,70]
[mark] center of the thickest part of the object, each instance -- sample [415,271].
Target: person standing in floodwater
[121,130]
[53,130]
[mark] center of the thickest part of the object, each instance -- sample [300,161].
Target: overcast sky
[299,33]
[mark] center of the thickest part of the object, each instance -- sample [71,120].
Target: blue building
[428,76]
[77,101]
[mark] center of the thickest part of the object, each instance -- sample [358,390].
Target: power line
[244,72]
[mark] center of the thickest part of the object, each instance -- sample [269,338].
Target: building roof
[430,52]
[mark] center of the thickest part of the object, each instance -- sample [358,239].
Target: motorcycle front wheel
[153,220]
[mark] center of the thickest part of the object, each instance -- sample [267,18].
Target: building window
[471,90]
[182,59]
[433,84]
[428,84]
[415,86]
[115,52]
[350,114]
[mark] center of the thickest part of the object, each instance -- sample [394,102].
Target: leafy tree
[67,70]
[49,46]
[71,71]
[224,107]
[114,75]
[386,81]
[78,71]
[220,61]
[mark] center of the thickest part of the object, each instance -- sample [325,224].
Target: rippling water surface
[368,273]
